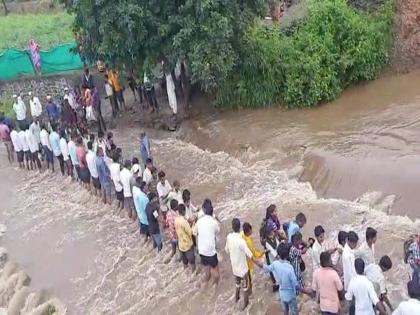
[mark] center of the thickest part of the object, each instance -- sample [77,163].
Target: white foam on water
[125,276]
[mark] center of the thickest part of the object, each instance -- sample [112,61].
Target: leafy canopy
[145,32]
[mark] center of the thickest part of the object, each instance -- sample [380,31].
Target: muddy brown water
[348,165]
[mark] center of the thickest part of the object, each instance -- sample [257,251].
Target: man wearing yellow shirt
[117,87]
[185,241]
[247,236]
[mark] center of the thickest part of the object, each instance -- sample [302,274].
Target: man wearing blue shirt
[104,176]
[145,147]
[52,111]
[285,275]
[140,203]
[296,226]
[55,145]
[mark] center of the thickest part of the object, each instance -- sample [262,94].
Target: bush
[332,47]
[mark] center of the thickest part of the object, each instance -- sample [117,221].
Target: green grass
[47,29]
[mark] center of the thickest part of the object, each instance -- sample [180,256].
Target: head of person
[92,137]
[49,99]
[385,263]
[174,204]
[181,210]
[162,177]
[142,185]
[152,197]
[109,135]
[283,251]
[142,135]
[186,197]
[413,288]
[63,134]
[35,119]
[352,239]
[134,160]
[43,126]
[271,211]
[208,207]
[149,163]
[31,96]
[66,90]
[319,234]
[247,228]
[79,141]
[86,71]
[127,164]
[297,239]
[359,265]
[342,238]
[100,152]
[100,134]
[176,185]
[115,157]
[300,219]
[90,145]
[54,127]
[135,169]
[325,259]
[371,235]
[236,225]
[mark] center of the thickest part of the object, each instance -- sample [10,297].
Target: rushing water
[347,165]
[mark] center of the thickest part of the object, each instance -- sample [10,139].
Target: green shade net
[60,59]
[15,63]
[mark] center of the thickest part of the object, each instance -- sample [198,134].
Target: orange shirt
[115,81]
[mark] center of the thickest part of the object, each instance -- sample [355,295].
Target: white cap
[14,96]
[48,97]
[66,88]
[135,168]
[29,93]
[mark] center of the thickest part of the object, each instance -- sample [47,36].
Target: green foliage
[6,106]
[204,33]
[334,46]
[47,29]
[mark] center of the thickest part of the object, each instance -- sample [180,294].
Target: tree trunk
[6,10]
[186,86]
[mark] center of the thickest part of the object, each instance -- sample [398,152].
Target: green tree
[204,34]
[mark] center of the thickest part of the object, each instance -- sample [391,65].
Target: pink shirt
[4,132]
[327,283]
[170,221]
[81,156]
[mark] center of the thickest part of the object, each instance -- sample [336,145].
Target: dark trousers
[101,121]
[61,162]
[151,97]
[114,105]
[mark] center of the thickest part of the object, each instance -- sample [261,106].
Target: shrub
[332,47]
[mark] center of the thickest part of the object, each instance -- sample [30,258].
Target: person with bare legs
[206,230]
[5,137]
[185,240]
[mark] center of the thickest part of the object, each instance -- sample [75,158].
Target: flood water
[348,165]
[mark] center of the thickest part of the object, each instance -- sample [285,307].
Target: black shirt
[153,222]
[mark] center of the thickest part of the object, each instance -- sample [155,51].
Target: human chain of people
[346,270]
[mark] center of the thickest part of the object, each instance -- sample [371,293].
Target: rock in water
[18,301]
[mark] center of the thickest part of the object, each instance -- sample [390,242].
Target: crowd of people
[341,270]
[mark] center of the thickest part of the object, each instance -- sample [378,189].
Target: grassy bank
[47,29]
[312,60]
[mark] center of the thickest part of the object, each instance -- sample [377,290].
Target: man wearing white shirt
[91,163]
[70,98]
[126,181]
[46,147]
[375,274]
[115,171]
[318,247]
[35,106]
[65,153]
[20,109]
[17,145]
[147,174]
[238,250]
[163,188]
[35,128]
[366,251]
[206,230]
[412,306]
[33,148]
[348,258]
[25,147]
[361,290]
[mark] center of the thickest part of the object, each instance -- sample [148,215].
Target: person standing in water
[145,147]
[185,240]
[171,215]
[206,230]
[104,176]
[239,252]
[46,147]
[152,213]
[366,251]
[5,137]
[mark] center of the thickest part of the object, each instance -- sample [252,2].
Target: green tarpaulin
[15,63]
